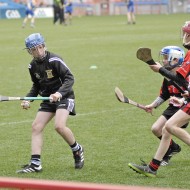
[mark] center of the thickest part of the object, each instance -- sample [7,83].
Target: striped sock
[35,160]
[154,164]
[75,147]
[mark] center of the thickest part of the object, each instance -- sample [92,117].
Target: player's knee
[168,127]
[59,128]
[37,128]
[156,130]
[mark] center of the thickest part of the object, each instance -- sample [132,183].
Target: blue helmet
[173,52]
[34,40]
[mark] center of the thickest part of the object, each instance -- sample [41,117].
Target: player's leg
[157,131]
[150,170]
[55,14]
[42,118]
[158,125]
[61,127]
[32,22]
[128,17]
[133,17]
[174,124]
[61,16]
[66,17]
[61,117]
[25,21]
[133,21]
[70,17]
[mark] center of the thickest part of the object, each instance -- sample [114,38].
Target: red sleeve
[185,69]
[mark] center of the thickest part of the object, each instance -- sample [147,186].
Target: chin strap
[186,46]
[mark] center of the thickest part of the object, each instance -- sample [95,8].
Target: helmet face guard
[34,43]
[186,34]
[172,56]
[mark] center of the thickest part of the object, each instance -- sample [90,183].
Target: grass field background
[113,134]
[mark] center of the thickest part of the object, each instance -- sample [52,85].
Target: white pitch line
[78,115]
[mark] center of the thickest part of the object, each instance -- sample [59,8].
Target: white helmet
[173,53]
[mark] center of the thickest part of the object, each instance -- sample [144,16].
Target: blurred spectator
[58,11]
[130,12]
[68,12]
[30,6]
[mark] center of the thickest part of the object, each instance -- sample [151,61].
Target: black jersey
[51,75]
[167,90]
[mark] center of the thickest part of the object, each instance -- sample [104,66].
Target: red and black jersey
[184,71]
[168,89]
[182,76]
[51,75]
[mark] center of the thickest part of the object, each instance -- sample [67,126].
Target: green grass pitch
[112,133]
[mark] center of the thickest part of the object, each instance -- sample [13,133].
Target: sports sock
[154,164]
[75,147]
[35,160]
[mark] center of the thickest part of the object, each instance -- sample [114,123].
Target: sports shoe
[175,151]
[165,161]
[168,156]
[30,168]
[145,170]
[79,158]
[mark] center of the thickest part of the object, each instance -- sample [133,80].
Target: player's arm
[66,78]
[34,91]
[156,103]
[176,101]
[164,95]
[174,77]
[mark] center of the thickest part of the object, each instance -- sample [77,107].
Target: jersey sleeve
[164,92]
[66,77]
[34,91]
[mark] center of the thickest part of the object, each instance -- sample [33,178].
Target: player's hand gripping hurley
[144,54]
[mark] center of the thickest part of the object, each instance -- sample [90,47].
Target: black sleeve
[34,91]
[66,77]
[164,93]
[174,77]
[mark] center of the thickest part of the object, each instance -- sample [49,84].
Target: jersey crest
[49,74]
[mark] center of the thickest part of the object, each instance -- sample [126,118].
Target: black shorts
[170,111]
[68,104]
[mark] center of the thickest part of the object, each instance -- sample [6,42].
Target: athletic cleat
[145,170]
[30,168]
[175,151]
[165,161]
[79,158]
[167,157]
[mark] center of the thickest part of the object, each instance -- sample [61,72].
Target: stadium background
[16,8]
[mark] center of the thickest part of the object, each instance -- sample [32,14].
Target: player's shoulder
[31,64]
[51,54]
[54,57]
